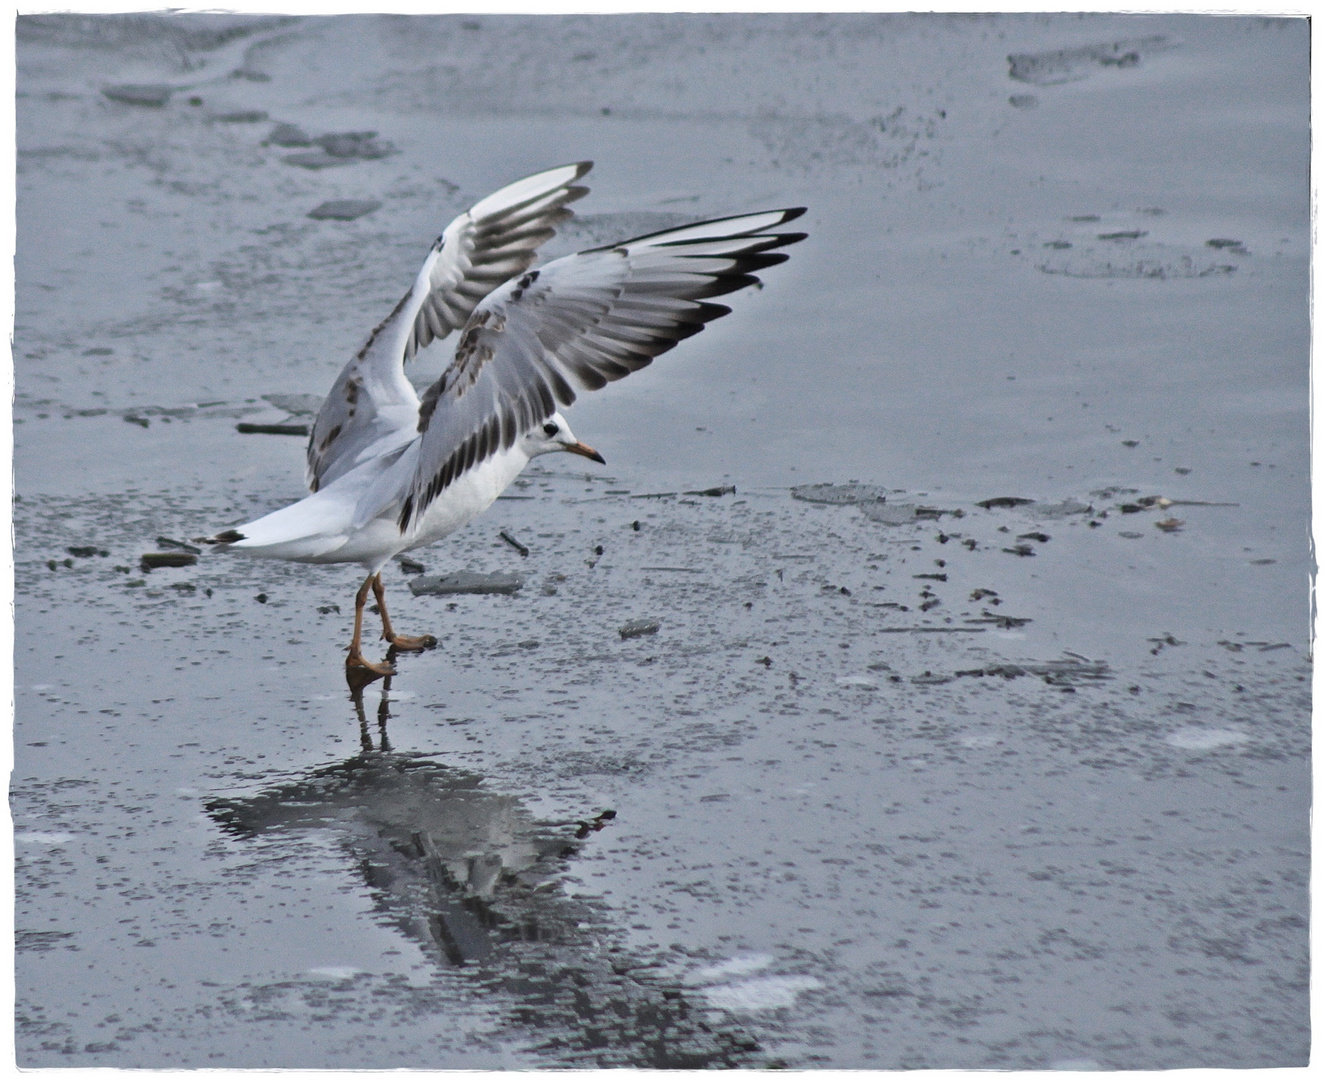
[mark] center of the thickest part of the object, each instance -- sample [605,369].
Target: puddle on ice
[1204,738]
[728,969]
[757,995]
[479,886]
[333,972]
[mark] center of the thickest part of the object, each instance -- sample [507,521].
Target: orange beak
[585,451]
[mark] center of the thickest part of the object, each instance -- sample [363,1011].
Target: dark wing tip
[771,239]
[708,312]
[761,260]
[230,536]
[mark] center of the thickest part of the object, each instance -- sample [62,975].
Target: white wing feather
[579,322]
[372,407]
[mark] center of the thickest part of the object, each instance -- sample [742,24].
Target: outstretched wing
[372,408]
[579,322]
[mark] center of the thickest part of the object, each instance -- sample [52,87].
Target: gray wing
[579,322]
[372,407]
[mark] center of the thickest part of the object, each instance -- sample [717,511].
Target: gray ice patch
[466,581]
[344,209]
[903,513]
[1072,65]
[838,494]
[639,628]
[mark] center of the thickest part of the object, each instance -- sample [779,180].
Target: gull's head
[554,434]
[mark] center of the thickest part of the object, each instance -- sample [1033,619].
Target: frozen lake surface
[900,780]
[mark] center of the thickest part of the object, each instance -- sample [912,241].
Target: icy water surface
[970,730]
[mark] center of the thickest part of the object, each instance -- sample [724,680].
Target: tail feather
[307,529]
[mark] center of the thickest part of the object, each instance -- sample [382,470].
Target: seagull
[389,472]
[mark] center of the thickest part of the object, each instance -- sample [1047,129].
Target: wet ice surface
[899,780]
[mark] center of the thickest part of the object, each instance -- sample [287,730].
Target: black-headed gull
[390,472]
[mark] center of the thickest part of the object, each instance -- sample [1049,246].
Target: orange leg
[398,641]
[356,667]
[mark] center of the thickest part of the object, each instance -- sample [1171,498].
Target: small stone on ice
[352,144]
[155,96]
[288,135]
[1004,501]
[344,209]
[153,560]
[639,628]
[317,159]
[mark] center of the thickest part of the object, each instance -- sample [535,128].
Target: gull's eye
[550,429]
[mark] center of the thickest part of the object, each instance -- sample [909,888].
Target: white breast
[471,493]
[373,540]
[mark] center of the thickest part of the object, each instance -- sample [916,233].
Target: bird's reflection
[383,715]
[475,880]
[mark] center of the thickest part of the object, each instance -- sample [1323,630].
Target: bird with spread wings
[389,472]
